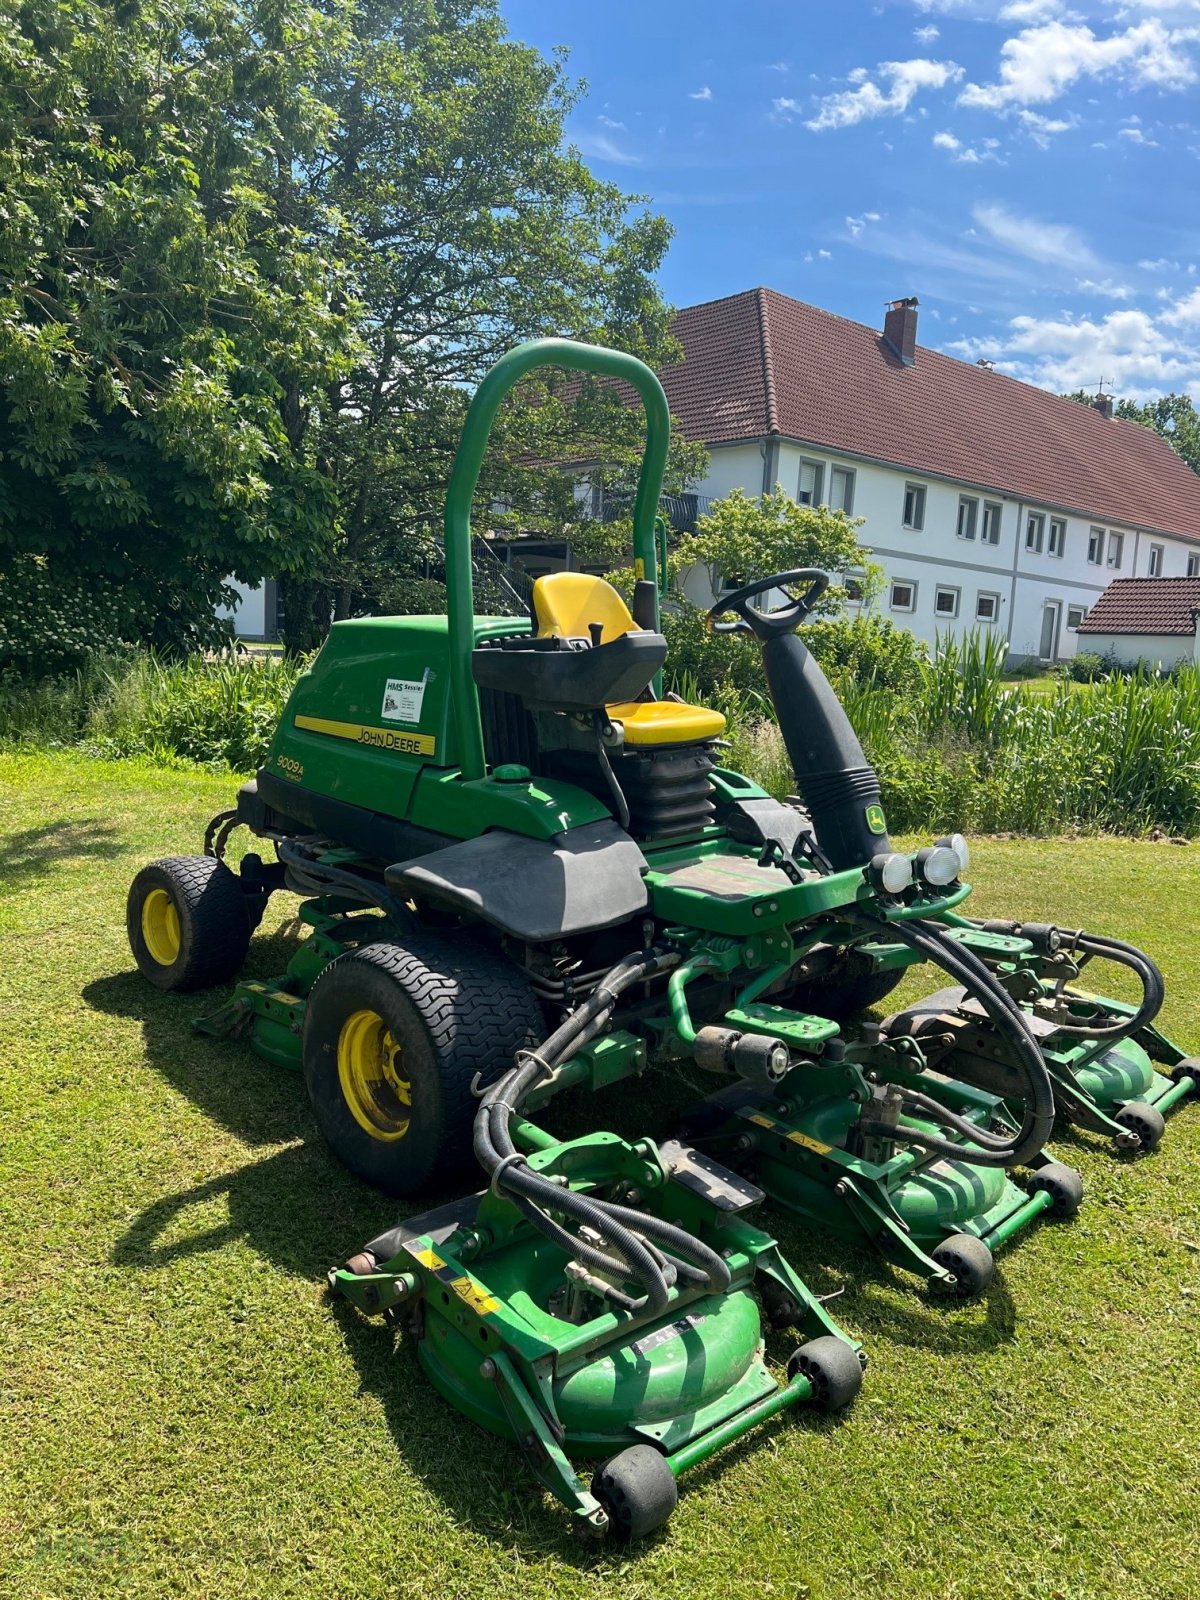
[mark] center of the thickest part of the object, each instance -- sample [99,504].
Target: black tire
[1063,1183]
[638,1490]
[451,1012]
[204,923]
[850,986]
[1189,1067]
[971,1262]
[1146,1121]
[832,1368]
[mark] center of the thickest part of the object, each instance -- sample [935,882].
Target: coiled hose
[1103,948]
[986,1149]
[630,1245]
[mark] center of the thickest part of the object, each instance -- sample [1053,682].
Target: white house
[256,614]
[989,503]
[1151,620]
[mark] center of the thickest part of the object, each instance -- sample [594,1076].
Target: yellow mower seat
[564,604]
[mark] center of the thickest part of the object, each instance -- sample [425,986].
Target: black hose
[1103,948]
[1038,1124]
[320,877]
[642,1248]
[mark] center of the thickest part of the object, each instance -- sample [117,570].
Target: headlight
[938,865]
[961,849]
[891,873]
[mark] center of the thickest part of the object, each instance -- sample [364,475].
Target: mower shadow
[33,853]
[258,1103]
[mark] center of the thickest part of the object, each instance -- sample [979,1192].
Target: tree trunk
[307,605]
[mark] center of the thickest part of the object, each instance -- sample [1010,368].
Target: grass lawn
[185,1415]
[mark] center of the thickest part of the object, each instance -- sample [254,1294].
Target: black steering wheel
[767,624]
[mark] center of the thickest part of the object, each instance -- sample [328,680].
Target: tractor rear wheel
[394,1038]
[187,923]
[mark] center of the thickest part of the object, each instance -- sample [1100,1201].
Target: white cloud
[1140,355]
[903,79]
[1161,265]
[970,155]
[1050,243]
[928,34]
[784,109]
[701,94]
[1106,287]
[1030,11]
[1042,129]
[778,66]
[1136,136]
[855,225]
[599,147]
[825,255]
[1041,63]
[1184,313]
[608,122]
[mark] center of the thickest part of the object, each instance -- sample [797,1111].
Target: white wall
[1155,649]
[934,557]
[249,615]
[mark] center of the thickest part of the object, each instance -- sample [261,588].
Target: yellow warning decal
[408,744]
[810,1144]
[428,1258]
[763,1122]
[474,1295]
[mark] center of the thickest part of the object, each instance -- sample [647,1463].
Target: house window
[1156,558]
[992,512]
[945,602]
[1096,546]
[812,476]
[904,595]
[914,505]
[1193,567]
[841,489]
[987,607]
[1035,530]
[968,511]
[1057,542]
[852,584]
[1116,543]
[1075,615]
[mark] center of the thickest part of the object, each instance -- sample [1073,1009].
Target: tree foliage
[163,297]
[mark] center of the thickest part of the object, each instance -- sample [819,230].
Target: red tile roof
[759,363]
[1145,605]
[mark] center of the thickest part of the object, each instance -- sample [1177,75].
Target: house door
[1051,613]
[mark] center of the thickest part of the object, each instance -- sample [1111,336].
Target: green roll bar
[460,602]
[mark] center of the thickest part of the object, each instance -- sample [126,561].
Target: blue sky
[1030,169]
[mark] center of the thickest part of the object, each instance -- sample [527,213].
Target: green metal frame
[460,605]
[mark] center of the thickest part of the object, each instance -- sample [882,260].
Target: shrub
[1085,666]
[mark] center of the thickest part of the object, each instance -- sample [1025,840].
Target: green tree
[475,226]
[744,537]
[171,313]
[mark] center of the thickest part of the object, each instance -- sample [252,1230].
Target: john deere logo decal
[876,820]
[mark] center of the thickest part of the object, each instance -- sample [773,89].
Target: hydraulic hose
[320,877]
[629,1244]
[962,964]
[1102,948]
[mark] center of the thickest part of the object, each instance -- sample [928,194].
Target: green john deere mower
[524,869]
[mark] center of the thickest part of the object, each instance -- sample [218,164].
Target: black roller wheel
[1146,1121]
[187,923]
[833,1369]
[1189,1067]
[852,984]
[638,1490]
[971,1262]
[1063,1183]
[393,1039]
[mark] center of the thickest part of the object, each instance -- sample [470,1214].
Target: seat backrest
[564,603]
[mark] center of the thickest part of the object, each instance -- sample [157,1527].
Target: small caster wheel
[971,1262]
[1144,1121]
[637,1489]
[1189,1067]
[1063,1184]
[833,1369]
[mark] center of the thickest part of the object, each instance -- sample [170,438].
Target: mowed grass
[184,1414]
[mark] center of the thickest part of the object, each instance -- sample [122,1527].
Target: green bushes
[217,711]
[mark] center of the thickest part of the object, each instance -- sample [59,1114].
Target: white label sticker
[403,698]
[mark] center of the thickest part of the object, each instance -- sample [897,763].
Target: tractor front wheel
[394,1038]
[187,923]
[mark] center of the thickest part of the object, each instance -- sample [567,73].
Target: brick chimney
[1104,404]
[900,328]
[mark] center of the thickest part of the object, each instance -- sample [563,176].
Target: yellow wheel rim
[376,1093]
[160,927]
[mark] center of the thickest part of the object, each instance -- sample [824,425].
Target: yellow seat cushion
[649,722]
[566,602]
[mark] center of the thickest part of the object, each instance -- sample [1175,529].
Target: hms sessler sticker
[403,698]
